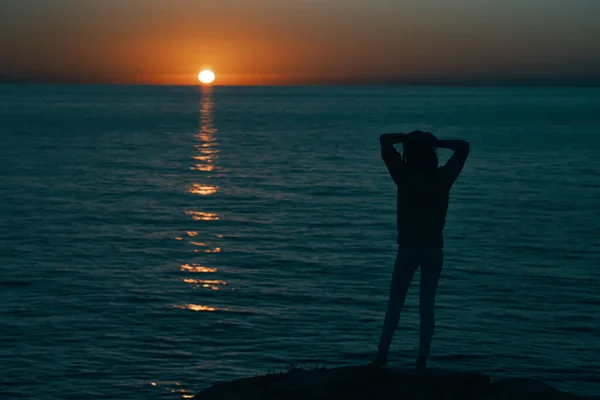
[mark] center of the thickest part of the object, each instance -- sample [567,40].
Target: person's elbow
[464,147]
[385,145]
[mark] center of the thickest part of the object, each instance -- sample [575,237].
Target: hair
[420,156]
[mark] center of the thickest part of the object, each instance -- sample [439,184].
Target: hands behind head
[424,138]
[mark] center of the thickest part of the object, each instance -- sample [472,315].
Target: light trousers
[408,259]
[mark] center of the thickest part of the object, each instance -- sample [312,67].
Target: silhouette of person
[423,191]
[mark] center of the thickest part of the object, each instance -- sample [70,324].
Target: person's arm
[456,163]
[392,159]
[392,138]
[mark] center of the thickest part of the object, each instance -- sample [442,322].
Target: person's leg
[431,269]
[407,261]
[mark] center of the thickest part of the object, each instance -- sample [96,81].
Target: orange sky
[299,41]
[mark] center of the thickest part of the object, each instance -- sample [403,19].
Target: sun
[207,77]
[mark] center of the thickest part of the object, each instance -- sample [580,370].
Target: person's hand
[424,138]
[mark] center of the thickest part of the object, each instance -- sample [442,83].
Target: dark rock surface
[363,382]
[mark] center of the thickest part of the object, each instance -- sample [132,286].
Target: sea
[157,240]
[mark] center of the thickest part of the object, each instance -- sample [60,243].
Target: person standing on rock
[423,191]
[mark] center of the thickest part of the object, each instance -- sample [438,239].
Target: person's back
[421,215]
[423,191]
[423,188]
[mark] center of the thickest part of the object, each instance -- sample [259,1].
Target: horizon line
[549,83]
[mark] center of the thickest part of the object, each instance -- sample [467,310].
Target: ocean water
[156,240]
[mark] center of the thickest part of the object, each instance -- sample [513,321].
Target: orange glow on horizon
[296,42]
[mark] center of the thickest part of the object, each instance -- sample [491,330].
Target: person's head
[420,156]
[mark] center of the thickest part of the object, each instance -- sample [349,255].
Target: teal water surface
[155,240]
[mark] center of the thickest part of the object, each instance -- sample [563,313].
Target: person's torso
[422,214]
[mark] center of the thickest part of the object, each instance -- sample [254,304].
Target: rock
[522,388]
[363,382]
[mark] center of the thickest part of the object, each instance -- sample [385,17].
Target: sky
[265,42]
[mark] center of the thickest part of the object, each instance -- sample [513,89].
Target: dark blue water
[155,240]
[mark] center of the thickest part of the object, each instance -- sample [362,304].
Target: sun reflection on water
[174,388]
[197,268]
[215,250]
[202,216]
[199,307]
[204,161]
[205,281]
[203,158]
[205,168]
[202,190]
[198,234]
[207,145]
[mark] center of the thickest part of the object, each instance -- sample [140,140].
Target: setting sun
[206,77]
